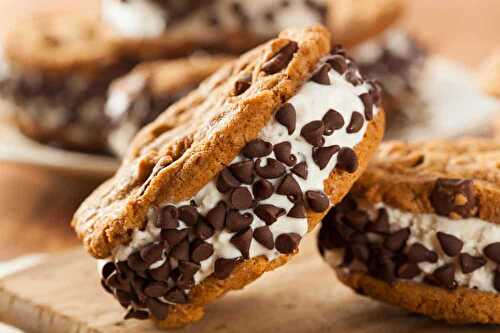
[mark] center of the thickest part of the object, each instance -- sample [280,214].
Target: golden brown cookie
[141,95]
[272,141]
[490,74]
[420,230]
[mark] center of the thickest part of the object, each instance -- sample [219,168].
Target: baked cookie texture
[137,98]
[193,188]
[490,74]
[420,230]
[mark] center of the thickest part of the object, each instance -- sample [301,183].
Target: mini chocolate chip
[385,269]
[124,298]
[160,273]
[136,314]
[360,252]
[347,160]
[454,198]
[158,309]
[273,169]
[298,211]
[167,218]
[257,148]
[136,263]
[356,123]
[338,63]
[283,153]
[264,236]
[117,282]
[368,104]
[381,224]
[242,241]
[262,189]
[352,77]
[241,198]
[176,296]
[492,251]
[281,59]
[224,267]
[181,251]
[236,222]
[445,276]
[289,187]
[108,269]
[243,84]
[300,170]
[470,263]
[287,117]
[201,250]
[217,216]
[450,244]
[409,270]
[397,240]
[323,155]
[269,213]
[243,171]
[183,282]
[333,120]
[376,92]
[188,214]
[419,253]
[288,243]
[317,201]
[321,76]
[174,236]
[151,253]
[313,133]
[188,269]
[226,181]
[358,219]
[204,230]
[156,289]
[346,232]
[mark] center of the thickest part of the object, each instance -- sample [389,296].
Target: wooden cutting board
[63,295]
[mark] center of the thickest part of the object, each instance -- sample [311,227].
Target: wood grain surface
[36,205]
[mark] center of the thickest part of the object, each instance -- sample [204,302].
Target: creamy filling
[475,234]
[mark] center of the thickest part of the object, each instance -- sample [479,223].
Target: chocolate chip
[136,263]
[358,219]
[226,181]
[409,270]
[445,276]
[204,230]
[288,243]
[298,211]
[313,133]
[201,250]
[117,282]
[242,241]
[376,92]
[338,63]
[368,104]
[158,309]
[237,222]
[224,267]
[264,236]
[323,155]
[181,251]
[108,269]
[269,213]
[167,218]
[243,171]
[347,160]
[381,224]
[492,251]
[333,120]
[283,153]
[242,84]
[173,236]
[287,117]
[160,273]
[273,169]
[317,201]
[496,279]
[136,314]
[281,59]
[262,189]
[384,269]
[356,123]
[289,187]
[450,244]
[470,263]
[241,198]
[352,77]
[176,296]
[151,253]
[419,253]
[300,170]
[188,214]
[346,232]
[188,269]
[321,76]
[397,240]
[217,216]
[360,252]
[454,198]
[156,289]
[124,298]
[257,148]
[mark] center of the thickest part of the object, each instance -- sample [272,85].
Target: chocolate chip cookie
[140,96]
[273,140]
[420,230]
